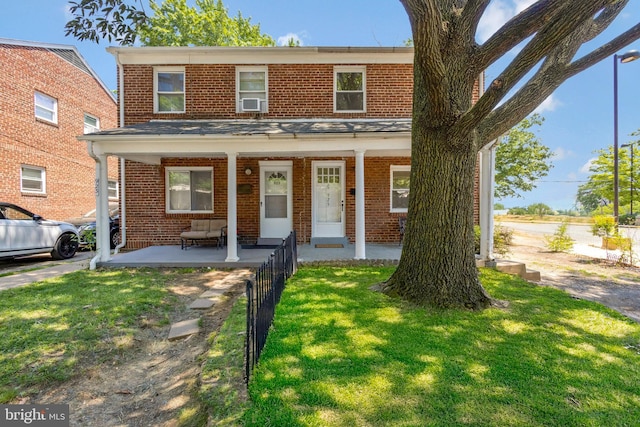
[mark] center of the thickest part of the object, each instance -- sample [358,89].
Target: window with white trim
[400,176]
[91,123]
[112,187]
[46,107]
[349,89]
[169,90]
[189,189]
[32,179]
[251,85]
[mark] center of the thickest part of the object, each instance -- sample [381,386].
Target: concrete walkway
[29,274]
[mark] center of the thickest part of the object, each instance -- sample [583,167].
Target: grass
[49,327]
[342,355]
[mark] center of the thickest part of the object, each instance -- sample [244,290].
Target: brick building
[50,95]
[315,139]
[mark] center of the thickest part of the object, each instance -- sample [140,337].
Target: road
[580,233]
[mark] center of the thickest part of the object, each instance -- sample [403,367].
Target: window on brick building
[91,123]
[189,189]
[349,89]
[113,189]
[46,107]
[169,90]
[251,89]
[400,176]
[32,179]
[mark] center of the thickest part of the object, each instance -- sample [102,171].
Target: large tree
[521,159]
[598,191]
[438,266]
[172,23]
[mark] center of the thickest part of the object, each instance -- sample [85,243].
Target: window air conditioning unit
[250,104]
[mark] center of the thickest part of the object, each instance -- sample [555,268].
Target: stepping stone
[184,329]
[224,285]
[213,293]
[201,303]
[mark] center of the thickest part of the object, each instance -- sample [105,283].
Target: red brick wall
[148,223]
[24,140]
[294,91]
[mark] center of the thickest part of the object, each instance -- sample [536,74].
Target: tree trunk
[438,266]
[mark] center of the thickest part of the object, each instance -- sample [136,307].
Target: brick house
[50,95]
[315,139]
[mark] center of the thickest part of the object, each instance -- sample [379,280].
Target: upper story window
[251,86]
[46,107]
[168,90]
[32,179]
[350,89]
[189,189]
[91,123]
[400,179]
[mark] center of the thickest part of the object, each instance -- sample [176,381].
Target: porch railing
[264,294]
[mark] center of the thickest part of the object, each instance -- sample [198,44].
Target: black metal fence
[264,295]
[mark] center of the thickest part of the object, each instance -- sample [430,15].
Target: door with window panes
[276,212]
[328,199]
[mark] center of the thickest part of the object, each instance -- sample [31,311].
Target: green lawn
[342,355]
[48,328]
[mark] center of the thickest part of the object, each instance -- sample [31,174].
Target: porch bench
[205,229]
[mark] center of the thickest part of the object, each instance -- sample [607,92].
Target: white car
[25,233]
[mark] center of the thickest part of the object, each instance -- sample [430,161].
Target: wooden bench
[205,229]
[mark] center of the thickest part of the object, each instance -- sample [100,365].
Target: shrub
[502,239]
[560,241]
[603,225]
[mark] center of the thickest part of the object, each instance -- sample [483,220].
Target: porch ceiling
[150,141]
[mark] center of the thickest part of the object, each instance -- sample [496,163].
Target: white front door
[328,199]
[276,211]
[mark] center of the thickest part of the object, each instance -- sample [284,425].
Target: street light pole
[630,56]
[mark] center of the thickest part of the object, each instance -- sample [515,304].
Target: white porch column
[360,215]
[103,241]
[487,176]
[232,209]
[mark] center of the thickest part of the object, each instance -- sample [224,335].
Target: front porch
[213,257]
[210,256]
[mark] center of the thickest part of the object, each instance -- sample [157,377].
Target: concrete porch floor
[209,256]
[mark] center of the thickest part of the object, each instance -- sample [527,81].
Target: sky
[578,116]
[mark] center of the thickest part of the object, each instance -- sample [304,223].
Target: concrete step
[329,242]
[184,329]
[532,275]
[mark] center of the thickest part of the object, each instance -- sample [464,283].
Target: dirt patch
[150,380]
[600,280]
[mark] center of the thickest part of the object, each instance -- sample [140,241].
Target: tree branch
[555,36]
[473,11]
[555,70]
[518,29]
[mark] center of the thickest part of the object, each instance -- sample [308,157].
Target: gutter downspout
[123,209]
[94,260]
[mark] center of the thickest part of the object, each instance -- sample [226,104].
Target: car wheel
[65,247]
[115,238]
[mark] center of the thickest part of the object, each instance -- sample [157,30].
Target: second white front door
[276,210]
[328,199]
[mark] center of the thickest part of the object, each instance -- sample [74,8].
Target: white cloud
[523,4]
[284,40]
[497,14]
[549,104]
[562,153]
[494,17]
[585,168]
